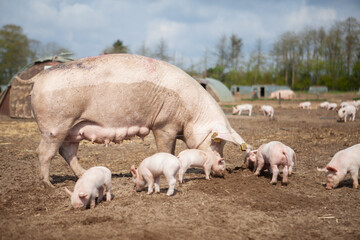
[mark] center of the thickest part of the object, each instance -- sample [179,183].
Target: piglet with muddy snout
[343,162]
[271,156]
[92,181]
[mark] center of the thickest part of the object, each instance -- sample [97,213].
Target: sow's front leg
[165,141]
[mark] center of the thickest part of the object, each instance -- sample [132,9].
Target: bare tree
[221,52]
[234,51]
[144,50]
[161,51]
[351,30]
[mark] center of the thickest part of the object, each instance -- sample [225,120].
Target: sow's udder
[98,134]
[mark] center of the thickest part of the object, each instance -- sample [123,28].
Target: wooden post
[279,98]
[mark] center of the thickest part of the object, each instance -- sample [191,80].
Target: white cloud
[188,27]
[310,16]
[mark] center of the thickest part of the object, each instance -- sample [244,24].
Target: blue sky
[188,27]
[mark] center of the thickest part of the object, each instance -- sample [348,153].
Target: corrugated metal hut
[15,100]
[216,89]
[263,91]
[318,89]
[241,89]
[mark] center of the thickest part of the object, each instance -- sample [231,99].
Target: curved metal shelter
[217,89]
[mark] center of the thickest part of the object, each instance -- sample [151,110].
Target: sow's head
[219,135]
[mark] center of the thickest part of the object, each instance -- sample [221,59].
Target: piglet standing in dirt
[343,162]
[324,105]
[271,156]
[305,105]
[242,107]
[152,168]
[332,106]
[92,181]
[347,112]
[267,110]
[208,160]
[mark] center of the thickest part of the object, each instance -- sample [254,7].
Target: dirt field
[239,206]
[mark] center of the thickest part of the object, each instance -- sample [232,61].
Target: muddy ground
[239,206]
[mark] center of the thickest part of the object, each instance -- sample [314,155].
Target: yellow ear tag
[243,147]
[213,137]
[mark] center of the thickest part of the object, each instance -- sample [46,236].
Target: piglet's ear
[331,169]
[68,192]
[221,161]
[133,170]
[82,195]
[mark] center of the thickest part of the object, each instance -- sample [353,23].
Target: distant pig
[271,156]
[305,105]
[152,168]
[92,181]
[242,107]
[324,105]
[267,110]
[347,112]
[343,162]
[332,106]
[208,160]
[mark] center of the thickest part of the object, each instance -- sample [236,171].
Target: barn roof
[57,58]
[15,99]
[221,91]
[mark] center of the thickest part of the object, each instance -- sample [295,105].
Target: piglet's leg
[275,171]
[285,175]
[207,171]
[92,202]
[355,175]
[101,194]
[172,183]
[181,175]
[150,185]
[260,165]
[108,194]
[157,185]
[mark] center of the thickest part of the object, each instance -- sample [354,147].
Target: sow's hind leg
[68,150]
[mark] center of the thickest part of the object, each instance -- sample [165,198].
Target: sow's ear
[221,132]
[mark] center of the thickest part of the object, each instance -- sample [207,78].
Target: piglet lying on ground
[343,162]
[208,160]
[92,181]
[152,168]
[271,156]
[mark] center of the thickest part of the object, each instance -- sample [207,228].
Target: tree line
[309,57]
[312,56]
